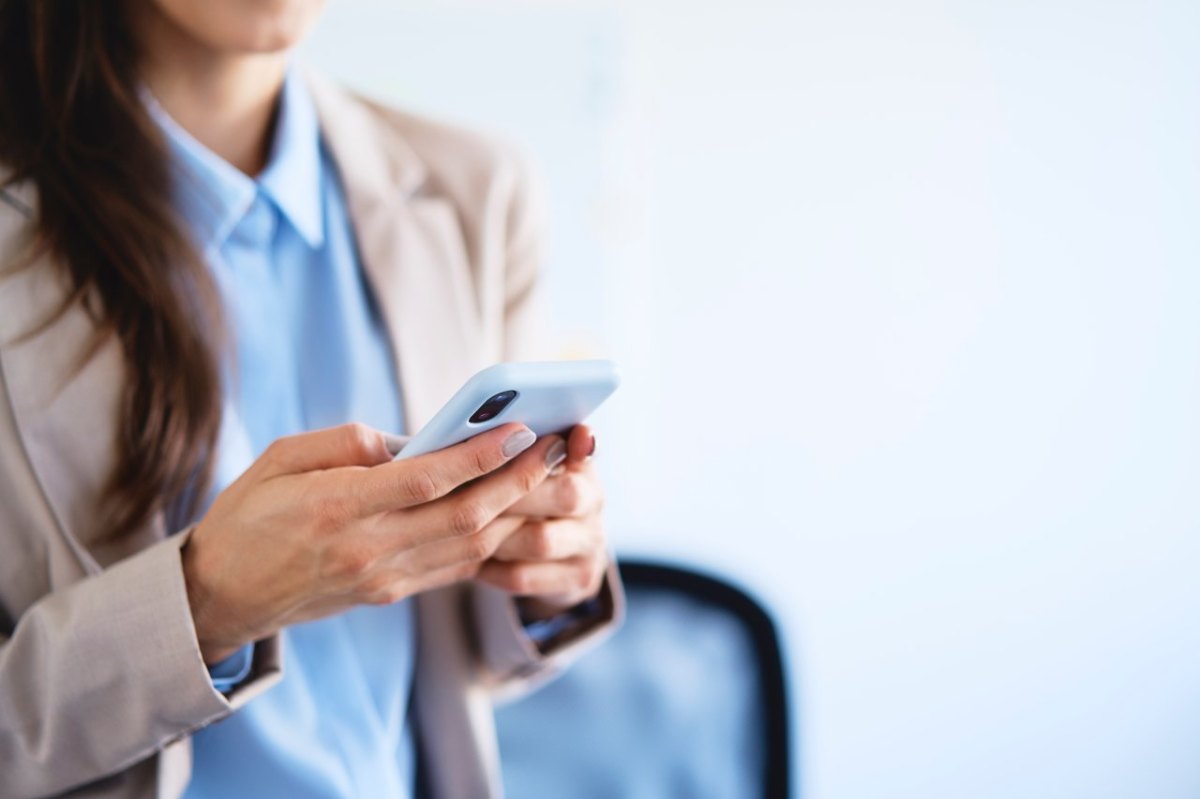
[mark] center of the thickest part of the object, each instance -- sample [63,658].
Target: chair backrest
[688,699]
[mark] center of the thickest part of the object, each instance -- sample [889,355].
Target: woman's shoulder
[442,145]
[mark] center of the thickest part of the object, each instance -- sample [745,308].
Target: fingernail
[592,451]
[518,442]
[556,454]
[393,443]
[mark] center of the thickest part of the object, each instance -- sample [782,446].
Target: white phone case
[552,397]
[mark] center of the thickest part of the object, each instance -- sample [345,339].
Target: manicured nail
[556,454]
[592,450]
[393,443]
[518,442]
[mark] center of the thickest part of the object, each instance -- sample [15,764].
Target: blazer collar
[375,165]
[411,246]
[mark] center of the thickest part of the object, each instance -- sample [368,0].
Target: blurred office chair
[687,700]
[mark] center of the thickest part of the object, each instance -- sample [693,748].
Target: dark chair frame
[768,652]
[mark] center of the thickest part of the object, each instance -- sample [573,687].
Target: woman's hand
[557,555]
[325,521]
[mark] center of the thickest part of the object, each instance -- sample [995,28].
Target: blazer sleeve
[102,674]
[513,662]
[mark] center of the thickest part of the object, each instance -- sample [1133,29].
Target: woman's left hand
[556,555]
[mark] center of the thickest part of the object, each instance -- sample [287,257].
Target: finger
[548,540]
[425,478]
[345,445]
[389,587]
[568,494]
[581,444]
[471,509]
[474,548]
[440,578]
[576,578]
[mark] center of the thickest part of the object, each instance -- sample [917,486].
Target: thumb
[333,447]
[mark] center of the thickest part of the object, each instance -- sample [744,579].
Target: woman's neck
[226,101]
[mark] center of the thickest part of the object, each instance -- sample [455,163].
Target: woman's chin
[243,26]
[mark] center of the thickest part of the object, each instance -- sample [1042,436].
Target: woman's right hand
[325,521]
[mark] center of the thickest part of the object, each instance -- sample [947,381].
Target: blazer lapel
[412,251]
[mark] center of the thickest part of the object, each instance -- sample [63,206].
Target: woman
[210,254]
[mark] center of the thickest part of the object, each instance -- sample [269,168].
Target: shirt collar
[292,178]
[213,195]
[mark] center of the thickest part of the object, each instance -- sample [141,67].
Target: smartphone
[547,397]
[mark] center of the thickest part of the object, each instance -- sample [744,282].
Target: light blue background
[905,297]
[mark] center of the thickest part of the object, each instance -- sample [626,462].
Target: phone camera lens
[495,404]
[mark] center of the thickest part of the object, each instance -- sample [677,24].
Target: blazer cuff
[146,597]
[109,672]
[513,662]
[140,613]
[258,665]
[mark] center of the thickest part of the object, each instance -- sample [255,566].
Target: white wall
[905,293]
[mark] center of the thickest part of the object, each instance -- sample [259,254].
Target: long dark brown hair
[72,121]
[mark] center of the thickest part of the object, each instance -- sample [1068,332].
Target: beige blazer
[101,680]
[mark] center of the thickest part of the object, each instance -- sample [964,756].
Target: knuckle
[420,487]
[586,577]
[360,439]
[373,589]
[468,518]
[330,510]
[465,571]
[568,495]
[530,478]
[520,582]
[483,460]
[384,591]
[540,541]
[352,562]
[274,453]
[394,594]
[477,547]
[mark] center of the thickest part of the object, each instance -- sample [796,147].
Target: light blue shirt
[310,351]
